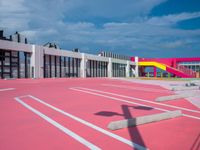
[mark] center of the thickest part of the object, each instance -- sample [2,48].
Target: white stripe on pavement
[137,88]
[8,89]
[59,126]
[119,138]
[143,100]
[130,102]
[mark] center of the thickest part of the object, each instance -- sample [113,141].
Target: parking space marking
[8,89]
[138,88]
[59,126]
[143,100]
[97,128]
[130,102]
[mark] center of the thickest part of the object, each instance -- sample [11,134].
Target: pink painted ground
[98,101]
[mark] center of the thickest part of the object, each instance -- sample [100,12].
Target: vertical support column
[90,67]
[69,67]
[93,68]
[50,67]
[55,63]
[96,68]
[83,66]
[60,61]
[110,67]
[77,67]
[154,72]
[113,69]
[136,67]
[26,66]
[103,68]
[128,69]
[33,62]
[100,68]
[106,69]
[37,62]
[2,63]
[45,75]
[76,62]
[10,64]
[168,75]
[116,72]
[161,74]
[18,64]
[65,65]
[72,67]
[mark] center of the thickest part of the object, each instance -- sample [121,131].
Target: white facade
[38,52]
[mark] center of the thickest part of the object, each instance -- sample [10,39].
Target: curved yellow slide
[152,63]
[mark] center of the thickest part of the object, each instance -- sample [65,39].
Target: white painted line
[59,126]
[23,96]
[8,89]
[130,102]
[143,100]
[110,134]
[137,88]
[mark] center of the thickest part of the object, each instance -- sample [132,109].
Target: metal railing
[187,71]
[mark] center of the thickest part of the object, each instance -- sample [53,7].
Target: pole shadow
[134,132]
[196,145]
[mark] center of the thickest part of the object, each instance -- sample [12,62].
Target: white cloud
[38,13]
[13,14]
[127,35]
[12,6]
[41,13]
[172,19]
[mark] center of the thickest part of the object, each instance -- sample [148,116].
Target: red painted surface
[172,62]
[21,129]
[154,72]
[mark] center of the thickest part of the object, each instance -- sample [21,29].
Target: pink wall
[172,62]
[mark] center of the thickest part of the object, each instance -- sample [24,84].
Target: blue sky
[146,28]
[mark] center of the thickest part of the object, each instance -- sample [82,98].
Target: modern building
[18,59]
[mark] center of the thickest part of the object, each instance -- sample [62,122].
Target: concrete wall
[14,46]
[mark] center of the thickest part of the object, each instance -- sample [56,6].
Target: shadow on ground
[134,132]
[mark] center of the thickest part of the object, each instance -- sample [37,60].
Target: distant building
[76,50]
[2,36]
[114,55]
[17,37]
[52,45]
